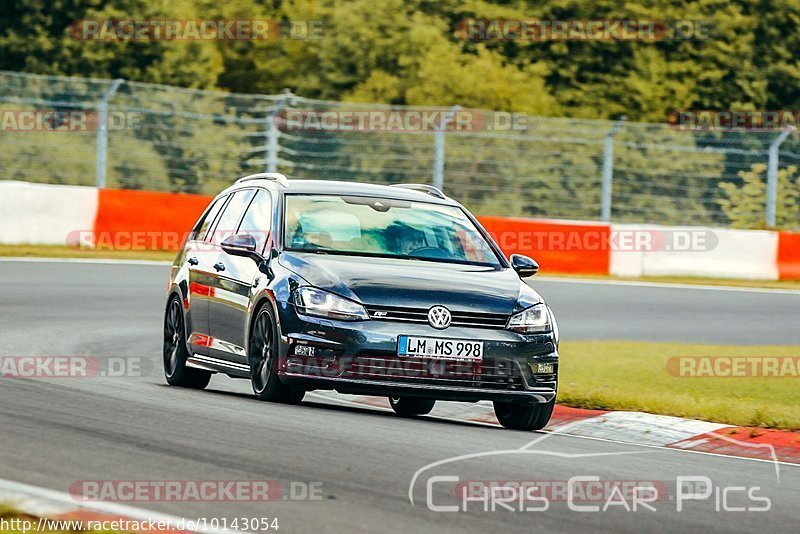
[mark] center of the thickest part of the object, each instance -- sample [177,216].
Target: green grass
[621,375]
[57,251]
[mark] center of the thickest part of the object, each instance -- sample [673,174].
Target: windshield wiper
[354,253]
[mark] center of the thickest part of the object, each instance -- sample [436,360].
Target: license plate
[434,347]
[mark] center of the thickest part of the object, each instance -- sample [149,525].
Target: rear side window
[201,228]
[229,220]
[258,220]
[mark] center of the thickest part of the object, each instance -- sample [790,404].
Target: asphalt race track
[54,432]
[652,312]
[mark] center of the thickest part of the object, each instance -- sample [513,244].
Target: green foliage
[408,52]
[68,157]
[743,203]
[39,36]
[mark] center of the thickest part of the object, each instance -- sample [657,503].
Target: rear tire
[175,351]
[410,407]
[263,356]
[524,416]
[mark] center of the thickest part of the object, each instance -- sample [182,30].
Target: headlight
[555,327]
[534,320]
[319,303]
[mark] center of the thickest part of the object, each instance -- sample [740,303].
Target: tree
[745,203]
[44,37]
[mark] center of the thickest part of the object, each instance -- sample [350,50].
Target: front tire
[524,416]
[263,356]
[410,407]
[176,353]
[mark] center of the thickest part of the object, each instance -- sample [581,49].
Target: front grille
[489,374]
[420,315]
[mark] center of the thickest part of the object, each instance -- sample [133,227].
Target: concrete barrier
[789,256]
[146,219]
[697,251]
[43,214]
[558,246]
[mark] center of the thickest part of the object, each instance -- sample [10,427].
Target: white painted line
[100,261]
[663,285]
[51,497]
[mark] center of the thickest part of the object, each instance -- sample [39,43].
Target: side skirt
[232,369]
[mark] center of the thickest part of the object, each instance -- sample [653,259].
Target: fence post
[608,171]
[772,177]
[273,132]
[438,148]
[102,134]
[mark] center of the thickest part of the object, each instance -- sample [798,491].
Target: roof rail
[425,188]
[274,176]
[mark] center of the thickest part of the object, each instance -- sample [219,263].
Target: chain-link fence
[144,136]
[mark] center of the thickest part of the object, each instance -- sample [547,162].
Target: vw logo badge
[439,317]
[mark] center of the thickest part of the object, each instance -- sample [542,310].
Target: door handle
[193,261]
[219,267]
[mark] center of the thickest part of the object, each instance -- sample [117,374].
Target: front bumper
[361,358]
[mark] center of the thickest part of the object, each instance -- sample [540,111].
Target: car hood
[413,283]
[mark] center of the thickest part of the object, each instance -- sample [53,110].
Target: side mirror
[242,245]
[524,265]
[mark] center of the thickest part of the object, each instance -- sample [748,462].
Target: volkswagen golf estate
[364,289]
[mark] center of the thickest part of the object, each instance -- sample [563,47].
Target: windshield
[370,226]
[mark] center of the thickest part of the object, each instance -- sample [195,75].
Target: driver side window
[201,228]
[229,220]
[257,221]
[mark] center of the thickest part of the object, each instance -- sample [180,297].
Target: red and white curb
[59,506]
[629,427]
